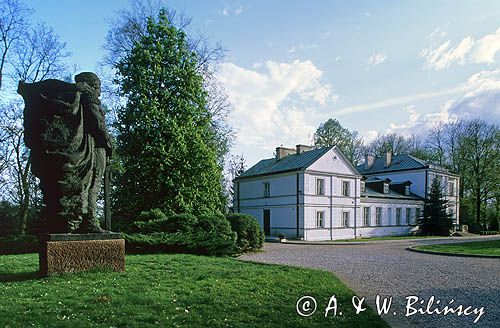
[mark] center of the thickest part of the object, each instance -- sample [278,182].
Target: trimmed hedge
[183,233]
[250,235]
[18,244]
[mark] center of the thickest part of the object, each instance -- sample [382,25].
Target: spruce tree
[435,219]
[165,144]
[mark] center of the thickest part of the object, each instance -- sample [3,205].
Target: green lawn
[491,247]
[172,291]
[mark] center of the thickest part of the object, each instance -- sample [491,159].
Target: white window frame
[398,215]
[362,186]
[320,186]
[386,188]
[345,219]
[267,189]
[378,216]
[407,190]
[389,215]
[366,216]
[451,188]
[408,215]
[320,218]
[346,191]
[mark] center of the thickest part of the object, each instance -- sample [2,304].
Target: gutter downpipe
[355,205]
[331,209]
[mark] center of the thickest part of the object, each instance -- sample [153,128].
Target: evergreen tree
[165,144]
[435,219]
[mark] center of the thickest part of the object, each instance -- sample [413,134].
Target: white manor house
[317,194]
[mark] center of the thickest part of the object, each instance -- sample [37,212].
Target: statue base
[70,253]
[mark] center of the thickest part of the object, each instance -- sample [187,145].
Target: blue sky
[376,66]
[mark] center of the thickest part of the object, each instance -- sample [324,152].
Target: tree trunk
[478,205]
[26,199]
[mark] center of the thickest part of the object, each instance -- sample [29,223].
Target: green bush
[18,244]
[183,233]
[161,223]
[250,235]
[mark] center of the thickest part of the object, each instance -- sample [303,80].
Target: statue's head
[91,79]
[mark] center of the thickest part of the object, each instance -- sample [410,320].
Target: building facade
[317,194]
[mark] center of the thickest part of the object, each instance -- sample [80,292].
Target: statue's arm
[98,128]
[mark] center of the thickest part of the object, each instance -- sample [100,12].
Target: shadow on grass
[19,276]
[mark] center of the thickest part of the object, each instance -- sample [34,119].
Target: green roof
[369,192]
[290,163]
[398,163]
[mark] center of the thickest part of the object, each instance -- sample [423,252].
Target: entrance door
[267,222]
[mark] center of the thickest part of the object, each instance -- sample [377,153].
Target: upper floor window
[320,186]
[345,219]
[363,186]
[451,188]
[320,219]
[378,216]
[345,188]
[407,190]
[386,188]
[267,189]
[366,216]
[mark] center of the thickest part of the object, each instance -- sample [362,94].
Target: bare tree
[39,55]
[13,24]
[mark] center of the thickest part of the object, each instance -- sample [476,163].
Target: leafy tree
[165,142]
[435,219]
[332,133]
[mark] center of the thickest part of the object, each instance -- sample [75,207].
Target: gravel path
[388,269]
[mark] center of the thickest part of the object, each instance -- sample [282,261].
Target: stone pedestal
[67,253]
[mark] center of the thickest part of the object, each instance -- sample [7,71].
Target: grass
[491,247]
[172,291]
[387,238]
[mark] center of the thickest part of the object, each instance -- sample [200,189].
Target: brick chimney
[302,148]
[369,160]
[388,158]
[282,152]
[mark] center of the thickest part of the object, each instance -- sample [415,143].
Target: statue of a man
[66,132]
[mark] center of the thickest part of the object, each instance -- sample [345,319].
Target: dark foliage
[435,219]
[250,235]
[18,244]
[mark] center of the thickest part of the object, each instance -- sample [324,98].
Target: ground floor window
[345,219]
[320,219]
[398,216]
[408,215]
[366,216]
[417,214]
[378,216]
[389,216]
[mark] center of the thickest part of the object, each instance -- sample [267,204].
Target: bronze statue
[66,132]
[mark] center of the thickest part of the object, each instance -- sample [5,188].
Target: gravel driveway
[388,269]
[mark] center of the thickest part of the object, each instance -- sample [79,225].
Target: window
[398,216]
[320,219]
[320,186]
[366,216]
[345,188]
[345,219]
[451,188]
[408,215]
[386,188]
[363,186]
[267,189]
[389,215]
[378,216]
[452,215]
[407,190]
[417,214]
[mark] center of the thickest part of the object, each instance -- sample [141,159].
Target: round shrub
[250,235]
[159,222]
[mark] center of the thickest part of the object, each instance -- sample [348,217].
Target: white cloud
[436,34]
[227,11]
[377,58]
[480,99]
[469,50]
[276,103]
